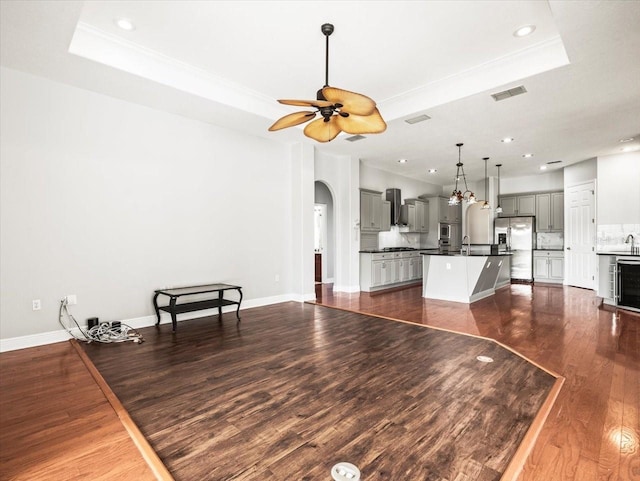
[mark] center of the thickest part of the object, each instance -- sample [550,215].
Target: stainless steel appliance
[444,231]
[628,283]
[444,237]
[515,235]
[394,196]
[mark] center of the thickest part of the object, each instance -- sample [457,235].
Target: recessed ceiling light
[125,24]
[629,148]
[527,156]
[543,167]
[433,171]
[628,139]
[524,31]
[403,161]
[507,140]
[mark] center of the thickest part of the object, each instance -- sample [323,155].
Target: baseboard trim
[43,338]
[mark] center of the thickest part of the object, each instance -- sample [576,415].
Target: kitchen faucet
[468,246]
[633,248]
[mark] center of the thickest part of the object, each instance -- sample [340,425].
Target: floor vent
[354,138]
[345,472]
[505,94]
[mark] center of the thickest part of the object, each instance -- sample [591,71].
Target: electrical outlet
[72,300]
[277,278]
[36,304]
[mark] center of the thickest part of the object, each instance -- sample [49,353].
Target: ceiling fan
[340,109]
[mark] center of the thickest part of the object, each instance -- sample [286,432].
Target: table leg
[174,321]
[239,302]
[155,305]
[220,297]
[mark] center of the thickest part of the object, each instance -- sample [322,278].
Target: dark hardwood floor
[593,430]
[297,388]
[591,433]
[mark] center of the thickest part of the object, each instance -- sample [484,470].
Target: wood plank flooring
[55,423]
[593,430]
[591,433]
[297,388]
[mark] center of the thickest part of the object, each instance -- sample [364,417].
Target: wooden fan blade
[362,124]
[290,120]
[352,102]
[323,131]
[307,103]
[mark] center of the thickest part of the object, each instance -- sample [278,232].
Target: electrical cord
[103,332]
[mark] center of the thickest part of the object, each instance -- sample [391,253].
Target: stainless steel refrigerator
[516,235]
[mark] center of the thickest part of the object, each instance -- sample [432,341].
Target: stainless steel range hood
[394,196]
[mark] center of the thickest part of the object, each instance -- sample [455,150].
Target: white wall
[341,176]
[580,173]
[618,189]
[380,180]
[109,200]
[532,183]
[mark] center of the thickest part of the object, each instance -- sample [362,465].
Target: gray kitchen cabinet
[384,270]
[517,205]
[415,266]
[448,214]
[550,212]
[417,215]
[548,266]
[370,210]
[385,224]
[557,211]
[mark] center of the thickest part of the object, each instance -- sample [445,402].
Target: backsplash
[549,240]
[610,237]
[395,238]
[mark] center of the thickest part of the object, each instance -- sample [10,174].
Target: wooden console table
[174,308]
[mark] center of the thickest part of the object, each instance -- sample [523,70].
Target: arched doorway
[324,233]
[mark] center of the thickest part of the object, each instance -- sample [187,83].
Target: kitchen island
[463,278]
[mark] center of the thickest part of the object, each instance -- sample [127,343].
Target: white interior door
[580,235]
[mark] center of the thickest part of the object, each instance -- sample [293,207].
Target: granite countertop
[382,251]
[436,252]
[618,253]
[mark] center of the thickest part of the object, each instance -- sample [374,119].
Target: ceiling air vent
[417,119]
[554,162]
[505,94]
[354,138]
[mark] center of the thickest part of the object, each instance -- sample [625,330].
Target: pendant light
[486,186]
[498,209]
[457,196]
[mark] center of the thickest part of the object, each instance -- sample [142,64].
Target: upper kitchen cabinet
[370,210]
[448,214]
[550,212]
[385,224]
[415,213]
[517,205]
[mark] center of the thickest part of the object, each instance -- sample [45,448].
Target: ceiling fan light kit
[340,110]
